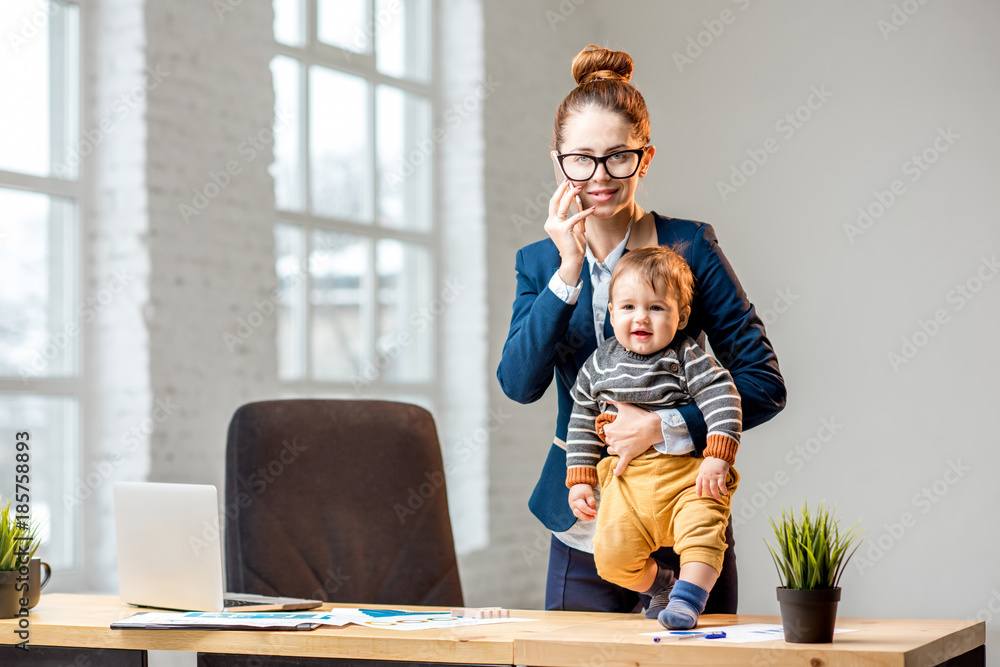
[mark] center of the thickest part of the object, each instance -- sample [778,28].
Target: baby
[664,497]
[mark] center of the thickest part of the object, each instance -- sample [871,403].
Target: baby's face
[645,320]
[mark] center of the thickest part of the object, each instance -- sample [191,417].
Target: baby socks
[687,601]
[659,592]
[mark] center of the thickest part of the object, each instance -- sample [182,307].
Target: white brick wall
[116,343]
[462,420]
[195,87]
[160,343]
[205,123]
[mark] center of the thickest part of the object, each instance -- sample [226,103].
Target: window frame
[67,49]
[316,53]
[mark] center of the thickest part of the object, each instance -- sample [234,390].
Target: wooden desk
[878,642]
[82,621]
[557,639]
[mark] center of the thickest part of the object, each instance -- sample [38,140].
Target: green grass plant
[811,552]
[15,536]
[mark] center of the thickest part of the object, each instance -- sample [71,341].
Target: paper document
[195,620]
[301,620]
[415,620]
[740,634]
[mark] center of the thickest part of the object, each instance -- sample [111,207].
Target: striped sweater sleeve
[713,390]
[583,445]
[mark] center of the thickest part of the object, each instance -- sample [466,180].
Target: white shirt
[676,439]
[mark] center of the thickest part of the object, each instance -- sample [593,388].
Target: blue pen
[693,634]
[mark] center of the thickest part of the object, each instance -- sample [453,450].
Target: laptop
[170,551]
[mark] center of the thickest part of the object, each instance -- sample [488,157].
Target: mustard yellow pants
[651,505]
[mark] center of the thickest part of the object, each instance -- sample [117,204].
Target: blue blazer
[548,334]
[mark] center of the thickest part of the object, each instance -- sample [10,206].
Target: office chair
[338,500]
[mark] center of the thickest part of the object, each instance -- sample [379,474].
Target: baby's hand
[581,501]
[712,478]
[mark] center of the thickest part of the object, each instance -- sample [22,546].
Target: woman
[601,150]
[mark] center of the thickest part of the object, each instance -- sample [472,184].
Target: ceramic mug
[12,587]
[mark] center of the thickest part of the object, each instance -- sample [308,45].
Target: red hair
[603,78]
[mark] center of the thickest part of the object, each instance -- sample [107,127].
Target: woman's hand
[632,432]
[567,231]
[581,501]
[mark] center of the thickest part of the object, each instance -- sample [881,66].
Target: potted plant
[18,544]
[810,558]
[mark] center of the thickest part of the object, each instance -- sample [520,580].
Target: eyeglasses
[581,167]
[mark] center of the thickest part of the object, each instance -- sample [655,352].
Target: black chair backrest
[338,500]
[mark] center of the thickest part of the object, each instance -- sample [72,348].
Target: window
[42,312]
[353,176]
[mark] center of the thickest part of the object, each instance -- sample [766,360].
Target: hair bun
[596,63]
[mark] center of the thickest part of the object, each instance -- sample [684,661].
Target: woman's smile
[602,194]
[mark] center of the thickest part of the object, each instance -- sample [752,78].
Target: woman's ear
[646,159]
[683,320]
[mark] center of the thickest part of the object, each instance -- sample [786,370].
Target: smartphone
[561,178]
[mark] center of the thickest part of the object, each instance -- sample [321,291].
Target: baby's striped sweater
[677,374]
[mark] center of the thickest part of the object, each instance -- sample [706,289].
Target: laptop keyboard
[240,603]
